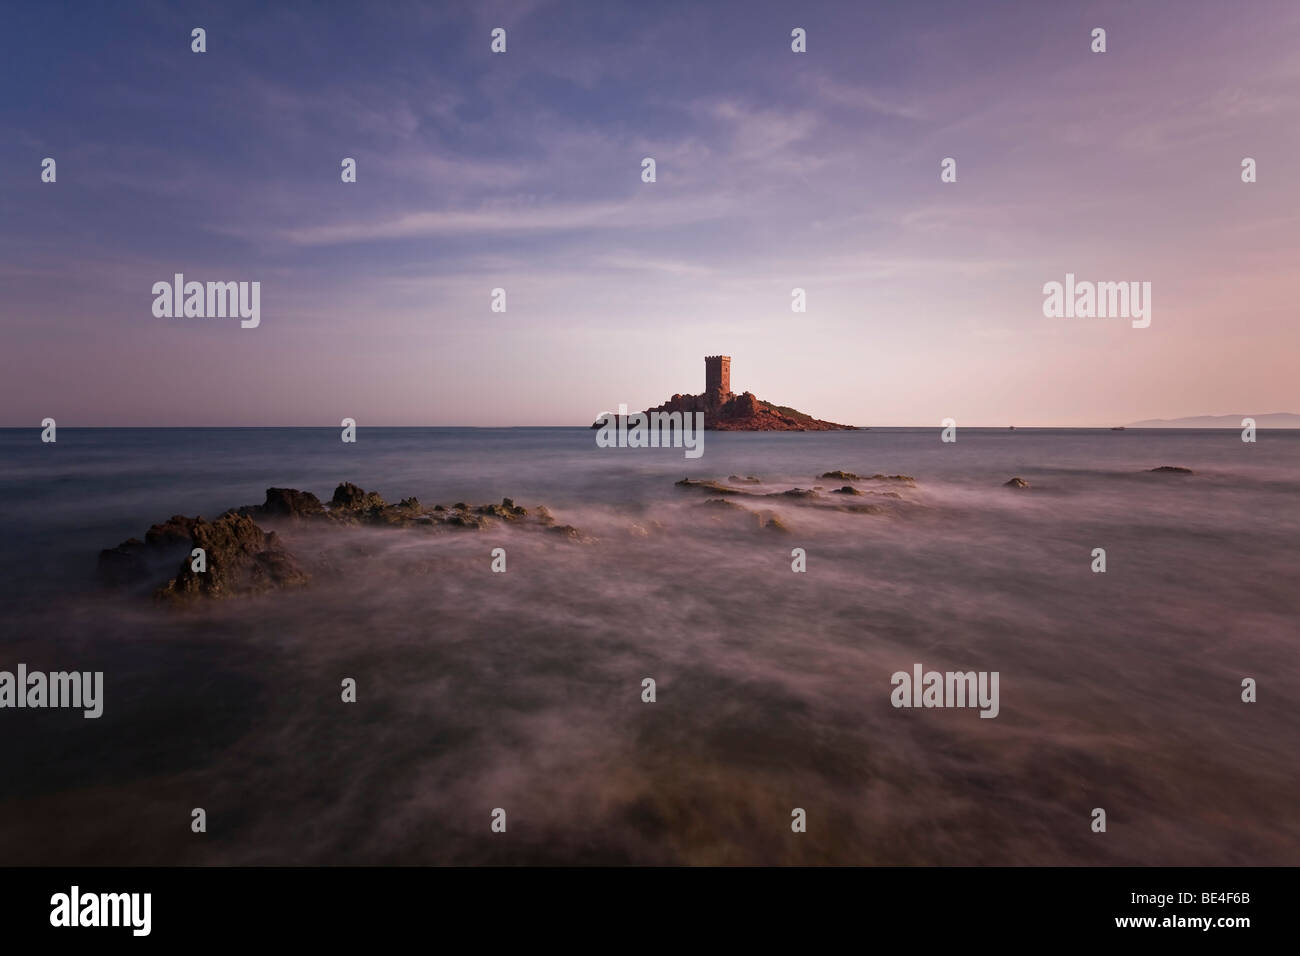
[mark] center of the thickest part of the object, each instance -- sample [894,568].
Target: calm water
[522,690]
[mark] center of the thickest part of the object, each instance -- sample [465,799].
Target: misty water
[522,690]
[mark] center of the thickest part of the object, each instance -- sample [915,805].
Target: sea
[1161,690]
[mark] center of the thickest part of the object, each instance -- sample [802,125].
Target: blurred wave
[522,690]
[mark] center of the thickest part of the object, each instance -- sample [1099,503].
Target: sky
[775,170]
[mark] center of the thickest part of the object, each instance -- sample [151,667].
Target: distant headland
[726,411]
[1265,420]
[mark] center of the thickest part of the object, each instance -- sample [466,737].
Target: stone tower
[717,376]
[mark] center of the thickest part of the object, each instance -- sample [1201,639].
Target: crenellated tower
[717,376]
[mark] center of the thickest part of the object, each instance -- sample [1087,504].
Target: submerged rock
[720,503]
[708,485]
[1015,483]
[795,493]
[772,523]
[804,497]
[1174,470]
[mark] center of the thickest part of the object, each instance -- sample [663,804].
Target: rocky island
[724,410]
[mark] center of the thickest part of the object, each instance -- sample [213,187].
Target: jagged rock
[506,509]
[175,530]
[291,503]
[906,479]
[1015,483]
[846,490]
[794,493]
[348,497]
[1174,470]
[840,475]
[241,559]
[747,480]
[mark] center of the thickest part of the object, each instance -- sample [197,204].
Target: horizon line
[1142,427]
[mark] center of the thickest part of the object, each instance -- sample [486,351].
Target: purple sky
[522,171]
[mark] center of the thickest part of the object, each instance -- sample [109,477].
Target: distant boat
[1012,427]
[1118,428]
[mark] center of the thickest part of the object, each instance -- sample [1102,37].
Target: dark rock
[1174,470]
[840,475]
[241,559]
[846,490]
[348,497]
[291,503]
[1015,483]
[464,519]
[175,530]
[506,510]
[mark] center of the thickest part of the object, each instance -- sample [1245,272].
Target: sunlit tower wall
[717,375]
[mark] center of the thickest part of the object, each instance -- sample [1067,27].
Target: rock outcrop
[239,557]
